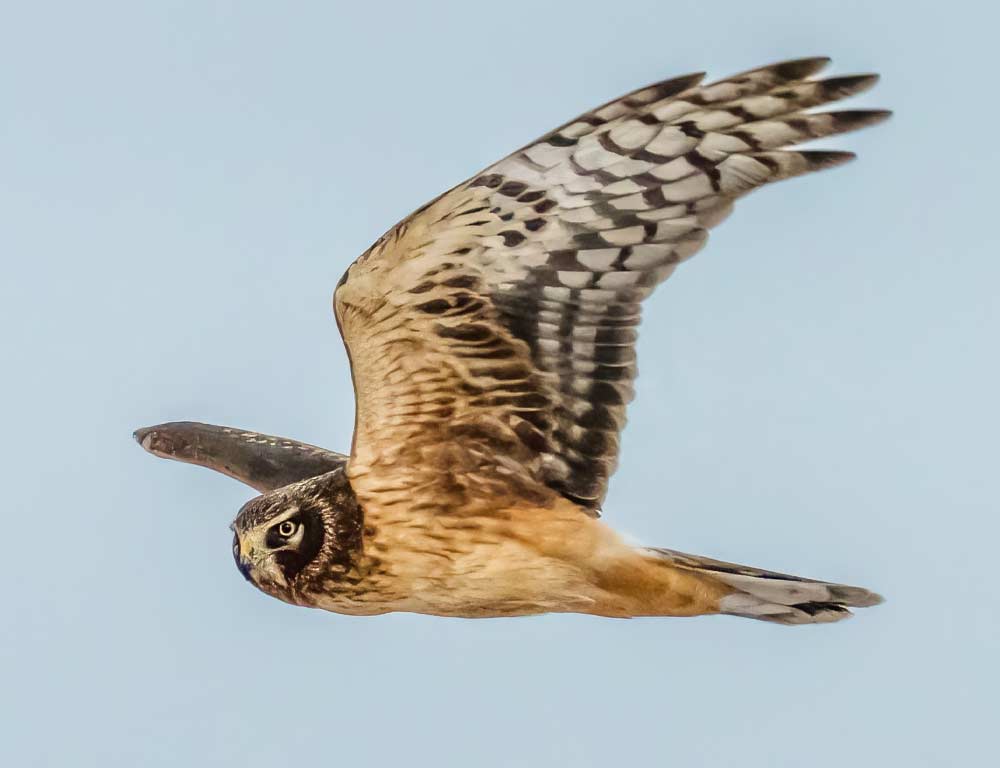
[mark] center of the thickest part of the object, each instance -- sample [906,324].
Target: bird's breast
[512,561]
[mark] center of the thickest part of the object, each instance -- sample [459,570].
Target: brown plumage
[492,344]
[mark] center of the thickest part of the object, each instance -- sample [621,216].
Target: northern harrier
[492,344]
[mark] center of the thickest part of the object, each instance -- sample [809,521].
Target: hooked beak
[244,564]
[248,561]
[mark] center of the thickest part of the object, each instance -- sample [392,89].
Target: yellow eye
[286,528]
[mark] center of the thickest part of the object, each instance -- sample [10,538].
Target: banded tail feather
[770,596]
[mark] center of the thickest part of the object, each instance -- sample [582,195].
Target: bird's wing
[263,462]
[492,332]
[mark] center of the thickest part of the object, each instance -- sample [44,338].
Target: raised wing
[263,462]
[492,333]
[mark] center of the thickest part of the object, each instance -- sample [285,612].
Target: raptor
[492,336]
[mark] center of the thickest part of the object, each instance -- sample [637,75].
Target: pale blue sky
[182,184]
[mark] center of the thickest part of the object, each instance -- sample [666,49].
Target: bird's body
[491,337]
[516,560]
[513,561]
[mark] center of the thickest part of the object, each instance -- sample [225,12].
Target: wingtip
[821,159]
[788,70]
[683,83]
[797,69]
[843,86]
[861,118]
[144,437]
[863,79]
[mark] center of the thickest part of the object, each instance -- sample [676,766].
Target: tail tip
[855,597]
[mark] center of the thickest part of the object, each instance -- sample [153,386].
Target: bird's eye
[286,528]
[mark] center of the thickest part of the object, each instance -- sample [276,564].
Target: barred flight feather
[494,330]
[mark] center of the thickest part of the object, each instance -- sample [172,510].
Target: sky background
[183,183]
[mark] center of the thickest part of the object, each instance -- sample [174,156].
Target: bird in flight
[491,336]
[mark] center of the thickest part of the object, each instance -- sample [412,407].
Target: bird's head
[297,537]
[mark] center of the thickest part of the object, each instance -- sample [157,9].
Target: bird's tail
[770,596]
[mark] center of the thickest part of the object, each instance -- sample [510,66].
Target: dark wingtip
[789,70]
[143,435]
[848,85]
[166,439]
[826,158]
[797,69]
[684,82]
[852,119]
